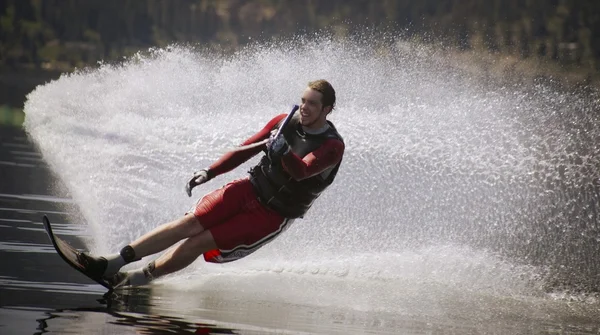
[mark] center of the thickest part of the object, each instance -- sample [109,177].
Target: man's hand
[277,147]
[200,177]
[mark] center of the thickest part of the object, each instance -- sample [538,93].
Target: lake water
[463,206]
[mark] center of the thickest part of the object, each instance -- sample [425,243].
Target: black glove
[200,177]
[277,147]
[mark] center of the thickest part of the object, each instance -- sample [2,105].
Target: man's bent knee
[187,226]
[202,242]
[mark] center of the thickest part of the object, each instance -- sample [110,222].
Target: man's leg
[184,254]
[158,239]
[164,236]
[174,260]
[213,210]
[249,230]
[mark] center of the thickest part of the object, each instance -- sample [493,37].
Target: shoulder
[330,152]
[266,131]
[333,148]
[275,121]
[335,144]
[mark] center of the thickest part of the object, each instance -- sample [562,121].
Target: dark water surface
[39,293]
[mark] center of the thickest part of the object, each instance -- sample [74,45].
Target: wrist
[209,174]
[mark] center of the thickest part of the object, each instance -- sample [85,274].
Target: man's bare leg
[174,260]
[184,254]
[164,236]
[158,239]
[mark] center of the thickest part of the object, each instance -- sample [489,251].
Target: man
[237,219]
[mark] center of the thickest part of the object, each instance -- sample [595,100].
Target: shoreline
[15,84]
[10,116]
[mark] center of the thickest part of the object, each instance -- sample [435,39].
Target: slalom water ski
[72,256]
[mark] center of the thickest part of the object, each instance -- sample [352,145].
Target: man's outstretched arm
[233,159]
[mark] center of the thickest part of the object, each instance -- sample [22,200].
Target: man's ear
[328,109]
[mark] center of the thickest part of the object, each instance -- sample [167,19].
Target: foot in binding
[94,266]
[119,279]
[138,277]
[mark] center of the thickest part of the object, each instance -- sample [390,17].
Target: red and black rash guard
[327,155]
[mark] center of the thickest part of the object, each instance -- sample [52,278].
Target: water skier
[227,224]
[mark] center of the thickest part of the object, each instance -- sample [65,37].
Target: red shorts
[238,222]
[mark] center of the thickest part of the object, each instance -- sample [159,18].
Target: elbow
[297,171]
[298,177]
[295,174]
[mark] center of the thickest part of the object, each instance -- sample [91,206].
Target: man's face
[312,113]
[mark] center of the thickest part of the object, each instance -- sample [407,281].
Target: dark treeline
[68,33]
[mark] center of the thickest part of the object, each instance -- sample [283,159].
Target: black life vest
[277,190]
